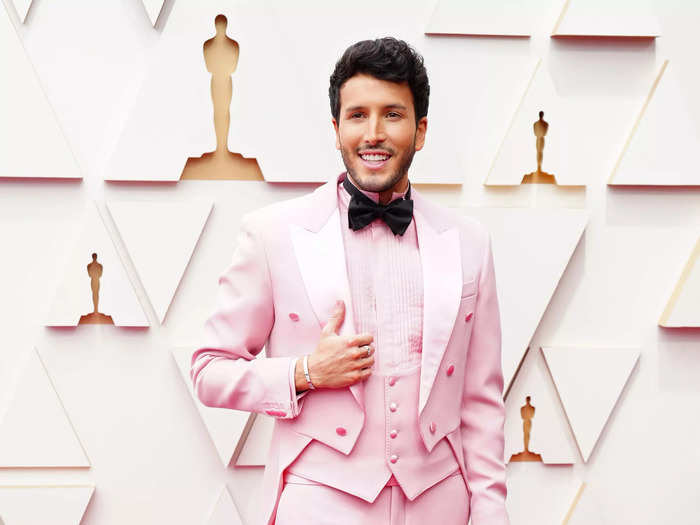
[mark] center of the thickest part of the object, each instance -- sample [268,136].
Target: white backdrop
[152,460]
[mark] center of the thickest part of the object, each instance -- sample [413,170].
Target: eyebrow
[393,106]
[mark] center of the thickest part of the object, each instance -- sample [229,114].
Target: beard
[377,183]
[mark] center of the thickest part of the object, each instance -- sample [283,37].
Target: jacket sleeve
[483,411]
[224,370]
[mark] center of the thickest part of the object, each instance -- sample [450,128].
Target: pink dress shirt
[386,286]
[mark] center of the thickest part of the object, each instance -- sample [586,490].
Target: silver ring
[368,349]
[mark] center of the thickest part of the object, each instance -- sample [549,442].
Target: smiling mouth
[375,157]
[374,160]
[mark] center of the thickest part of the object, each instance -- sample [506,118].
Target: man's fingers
[365,362]
[361,340]
[360,352]
[336,320]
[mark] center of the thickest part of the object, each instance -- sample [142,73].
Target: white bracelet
[306,372]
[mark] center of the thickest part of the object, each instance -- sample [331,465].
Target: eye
[354,115]
[393,114]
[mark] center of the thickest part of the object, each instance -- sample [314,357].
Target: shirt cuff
[296,398]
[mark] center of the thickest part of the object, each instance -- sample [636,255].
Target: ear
[421,130]
[337,133]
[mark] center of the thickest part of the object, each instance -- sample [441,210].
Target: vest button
[468,316]
[432,427]
[392,381]
[392,407]
[341,431]
[393,434]
[450,370]
[293,316]
[394,458]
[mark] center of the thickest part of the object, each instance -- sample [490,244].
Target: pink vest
[389,443]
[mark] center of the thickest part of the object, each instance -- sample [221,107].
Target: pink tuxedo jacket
[287,272]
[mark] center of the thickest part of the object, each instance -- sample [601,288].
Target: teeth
[374,157]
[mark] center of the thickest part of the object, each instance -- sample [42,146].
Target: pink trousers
[309,503]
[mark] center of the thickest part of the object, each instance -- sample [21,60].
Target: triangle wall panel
[482,17]
[227,428]
[517,154]
[73,301]
[160,238]
[153,133]
[549,434]
[532,248]
[662,147]
[32,143]
[574,504]
[225,511]
[35,430]
[44,504]
[22,7]
[588,408]
[153,8]
[256,447]
[541,494]
[592,505]
[615,18]
[683,307]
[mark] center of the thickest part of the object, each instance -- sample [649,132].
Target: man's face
[376,132]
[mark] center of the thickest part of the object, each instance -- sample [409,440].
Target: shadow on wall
[221,58]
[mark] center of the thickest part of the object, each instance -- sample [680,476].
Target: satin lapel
[321,258]
[442,285]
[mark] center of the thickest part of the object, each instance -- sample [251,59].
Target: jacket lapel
[442,284]
[318,246]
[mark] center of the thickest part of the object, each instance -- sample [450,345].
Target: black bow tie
[363,210]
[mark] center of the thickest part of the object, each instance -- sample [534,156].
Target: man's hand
[338,361]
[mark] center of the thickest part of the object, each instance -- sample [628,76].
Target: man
[379,314]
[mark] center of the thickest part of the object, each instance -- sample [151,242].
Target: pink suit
[288,271]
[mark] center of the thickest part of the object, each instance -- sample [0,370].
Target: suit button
[450,370]
[468,316]
[392,407]
[293,316]
[392,381]
[432,427]
[393,434]
[394,458]
[341,431]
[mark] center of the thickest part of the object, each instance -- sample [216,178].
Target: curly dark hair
[386,59]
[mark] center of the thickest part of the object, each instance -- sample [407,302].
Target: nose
[375,130]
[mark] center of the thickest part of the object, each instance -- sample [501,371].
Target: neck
[400,187]
[386,195]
